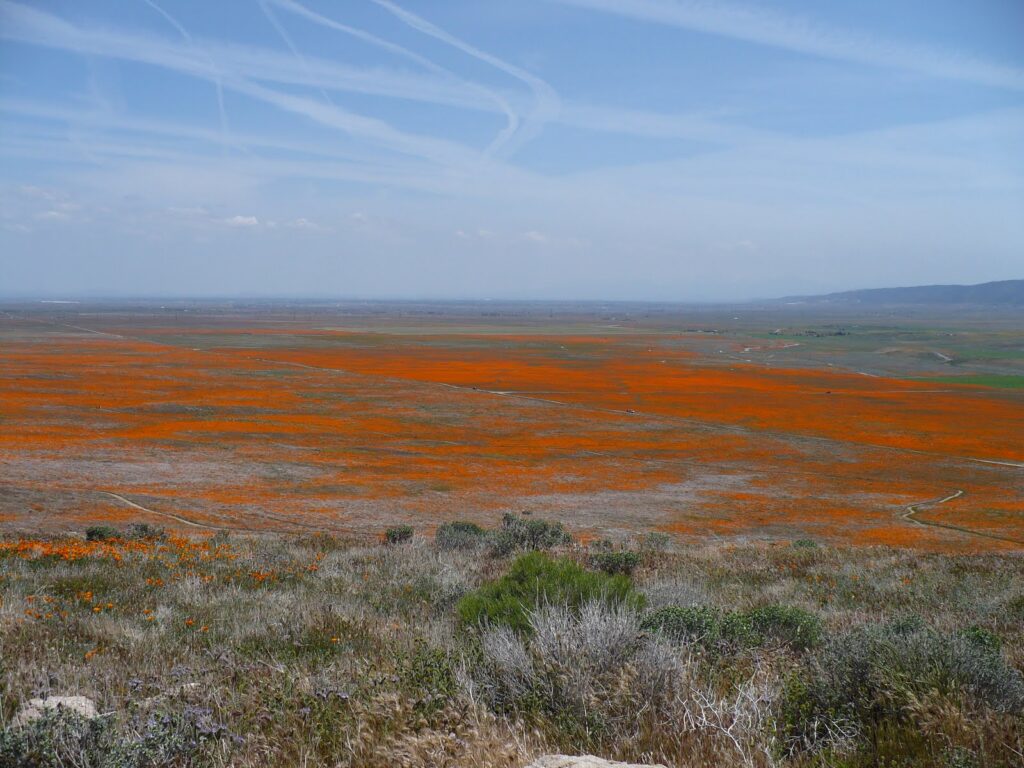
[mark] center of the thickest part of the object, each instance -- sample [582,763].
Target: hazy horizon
[78,298]
[562,150]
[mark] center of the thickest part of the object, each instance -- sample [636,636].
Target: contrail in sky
[512,119]
[217,80]
[547,102]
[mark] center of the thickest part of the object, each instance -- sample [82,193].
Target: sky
[667,150]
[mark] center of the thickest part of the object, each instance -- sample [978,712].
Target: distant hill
[1000,293]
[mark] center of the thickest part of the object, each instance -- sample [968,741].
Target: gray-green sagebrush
[705,656]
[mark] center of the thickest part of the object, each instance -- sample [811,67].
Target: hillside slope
[1000,293]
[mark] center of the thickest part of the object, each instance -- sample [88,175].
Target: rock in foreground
[34,709]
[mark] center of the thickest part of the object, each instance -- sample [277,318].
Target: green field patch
[966,353]
[995,380]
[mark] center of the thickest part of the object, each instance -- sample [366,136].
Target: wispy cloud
[269,14]
[305,224]
[210,59]
[792,33]
[243,69]
[188,38]
[52,216]
[26,24]
[397,139]
[512,118]
[546,101]
[242,221]
[251,67]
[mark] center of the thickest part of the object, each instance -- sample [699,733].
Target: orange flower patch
[315,430]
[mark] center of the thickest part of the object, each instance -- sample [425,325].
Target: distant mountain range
[1000,293]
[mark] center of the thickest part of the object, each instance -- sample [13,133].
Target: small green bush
[784,625]
[59,737]
[101,533]
[459,535]
[64,738]
[960,757]
[616,562]
[428,675]
[1015,608]
[519,535]
[654,542]
[905,624]
[779,625]
[398,534]
[690,624]
[983,638]
[145,532]
[805,544]
[536,578]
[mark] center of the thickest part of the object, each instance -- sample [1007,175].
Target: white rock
[34,709]
[582,761]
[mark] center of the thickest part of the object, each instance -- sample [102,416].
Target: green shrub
[1015,608]
[983,638]
[654,542]
[905,624]
[519,535]
[784,625]
[960,757]
[428,676]
[779,625]
[101,533]
[145,532]
[615,562]
[690,624]
[736,630]
[57,738]
[801,721]
[65,738]
[872,675]
[805,544]
[536,578]
[459,535]
[398,534]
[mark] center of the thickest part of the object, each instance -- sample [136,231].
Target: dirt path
[169,515]
[209,527]
[913,509]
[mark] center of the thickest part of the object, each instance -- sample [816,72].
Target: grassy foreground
[464,651]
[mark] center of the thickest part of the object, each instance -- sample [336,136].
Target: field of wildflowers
[261,423]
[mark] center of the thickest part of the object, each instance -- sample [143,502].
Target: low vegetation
[616,562]
[460,535]
[537,580]
[519,534]
[489,647]
[398,534]
[779,625]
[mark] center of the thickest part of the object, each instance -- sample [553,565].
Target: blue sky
[616,149]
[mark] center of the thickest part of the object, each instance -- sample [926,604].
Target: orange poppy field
[350,422]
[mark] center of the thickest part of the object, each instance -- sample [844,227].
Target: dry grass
[319,652]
